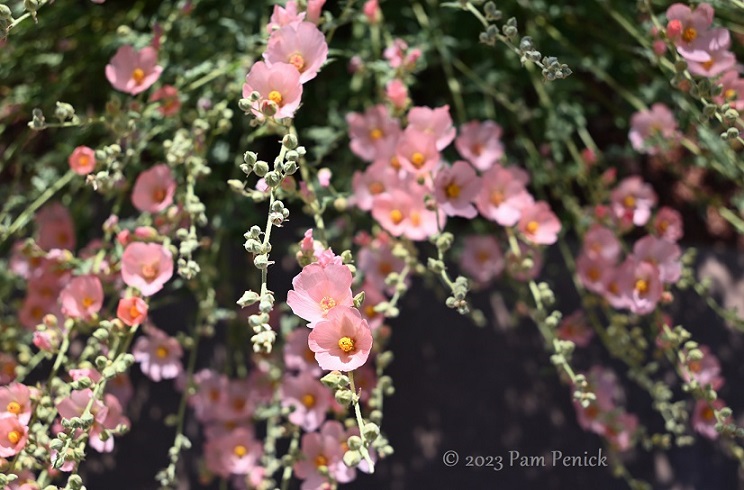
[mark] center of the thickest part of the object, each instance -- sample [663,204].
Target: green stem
[360,423]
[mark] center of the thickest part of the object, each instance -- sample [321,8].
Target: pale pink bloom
[297,353]
[146,266]
[455,189]
[301,45]
[372,12]
[721,60]
[278,87]
[600,243]
[704,419]
[574,327]
[121,387]
[170,101]
[417,151]
[132,311]
[55,226]
[652,130]
[317,290]
[47,340]
[632,201]
[503,196]
[372,297]
[211,389]
[481,258]
[236,404]
[33,309]
[480,144]
[7,368]
[313,10]
[514,262]
[154,189]
[594,272]
[324,448]
[668,224]
[706,371]
[13,436]
[15,401]
[733,90]
[114,418]
[132,71]
[403,213]
[611,292]
[234,453]
[283,16]
[373,134]
[310,399]
[82,160]
[620,431]
[538,224]
[690,30]
[324,177]
[602,382]
[158,354]
[82,297]
[75,405]
[375,180]
[397,93]
[377,261]
[640,283]
[661,253]
[342,341]
[436,122]
[395,53]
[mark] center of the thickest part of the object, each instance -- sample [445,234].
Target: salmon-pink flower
[397,93]
[640,284]
[652,130]
[13,436]
[297,353]
[132,311]
[632,201]
[319,451]
[574,328]
[455,189]
[154,189]
[503,196]
[668,224]
[82,160]
[146,266]
[601,244]
[620,430]
[403,213]
[313,10]
[301,45]
[282,16]
[317,290]
[56,229]
[82,297]
[732,90]
[310,399]
[374,134]
[342,341]
[158,354]
[436,122]
[234,453]
[376,179]
[704,418]
[690,30]
[661,253]
[706,371]
[538,224]
[481,258]
[170,103]
[720,61]
[132,71]
[376,261]
[594,272]
[15,400]
[278,87]
[480,144]
[417,151]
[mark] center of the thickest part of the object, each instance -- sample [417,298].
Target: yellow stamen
[138,75]
[149,271]
[730,94]
[240,450]
[707,65]
[297,61]
[707,414]
[376,134]
[396,216]
[158,195]
[87,302]
[321,460]
[418,160]
[452,190]
[395,163]
[161,352]
[415,218]
[497,198]
[134,312]
[327,303]
[689,34]
[14,436]
[308,400]
[641,286]
[14,408]
[346,344]
[629,201]
[275,97]
[532,227]
[376,188]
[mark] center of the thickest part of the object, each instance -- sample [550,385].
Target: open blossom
[632,201]
[154,189]
[301,45]
[310,399]
[594,272]
[661,253]
[515,264]
[132,311]
[342,341]
[278,87]
[732,90]
[600,243]
[56,229]
[721,60]
[668,224]
[574,327]
[317,290]
[538,224]
[620,430]
[417,151]
[481,258]
[376,261]
[480,144]
[234,453]
[690,31]
[170,103]
[640,284]
[297,354]
[146,266]
[15,400]
[323,449]
[13,436]
[158,354]
[82,160]
[374,133]
[455,189]
[132,71]
[503,196]
[704,418]
[648,128]
[706,371]
[403,213]
[82,297]
[436,122]
[376,179]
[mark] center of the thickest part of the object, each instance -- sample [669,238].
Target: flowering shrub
[369,149]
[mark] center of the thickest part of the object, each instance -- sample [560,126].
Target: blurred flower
[480,144]
[158,354]
[146,266]
[82,160]
[132,71]
[154,189]
[301,45]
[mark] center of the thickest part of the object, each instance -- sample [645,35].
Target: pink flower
[632,201]
[574,328]
[375,180]
[283,16]
[480,144]
[159,354]
[600,243]
[15,401]
[402,212]
[313,10]
[372,12]
[690,30]
[342,341]
[301,45]
[171,103]
[373,134]
[481,258]
[721,59]
[154,189]
[278,87]
[594,272]
[704,418]
[310,399]
[503,196]
[318,451]
[82,297]
[650,131]
[297,353]
[455,189]
[146,266]
[640,284]
[377,261]
[705,371]
[82,160]
[324,177]
[234,453]
[56,229]
[132,311]
[661,253]
[317,290]
[668,224]
[133,71]
[436,122]
[13,436]
[397,93]
[75,405]
[733,90]
[538,224]
[417,151]
[515,264]
[620,430]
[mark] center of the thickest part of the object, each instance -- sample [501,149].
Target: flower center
[707,65]
[138,75]
[396,216]
[452,190]
[14,408]
[376,134]
[134,311]
[395,163]
[158,195]
[689,34]
[385,268]
[275,97]
[695,366]
[161,352]
[14,436]
[497,198]
[532,227]
[346,344]
[308,400]
[418,160]
[238,404]
[376,188]
[415,218]
[87,302]
[321,460]
[36,312]
[482,256]
[591,411]
[593,274]
[641,286]
[369,311]
[240,450]
[629,201]
[707,414]
[83,161]
[663,226]
[477,149]
[149,271]
[327,303]
[730,94]
[297,61]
